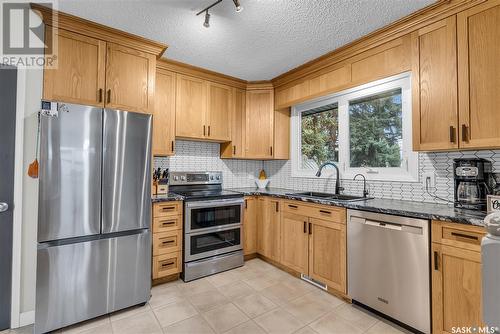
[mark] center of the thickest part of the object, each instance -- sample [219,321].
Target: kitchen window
[366,130]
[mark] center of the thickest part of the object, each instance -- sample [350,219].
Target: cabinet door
[190,107]
[250,226]
[164,114]
[236,148]
[130,79]
[220,104]
[268,229]
[259,124]
[79,76]
[479,75]
[435,109]
[456,288]
[295,242]
[281,148]
[327,253]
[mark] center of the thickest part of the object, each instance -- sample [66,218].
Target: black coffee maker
[472,183]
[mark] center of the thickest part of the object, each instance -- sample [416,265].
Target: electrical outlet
[428,179]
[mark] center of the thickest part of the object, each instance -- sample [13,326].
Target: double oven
[213,230]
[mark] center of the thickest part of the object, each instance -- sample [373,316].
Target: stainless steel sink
[334,197]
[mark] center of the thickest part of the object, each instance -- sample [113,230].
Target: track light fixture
[206,24]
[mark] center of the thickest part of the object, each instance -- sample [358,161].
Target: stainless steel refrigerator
[94,239]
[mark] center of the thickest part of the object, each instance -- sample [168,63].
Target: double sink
[327,196]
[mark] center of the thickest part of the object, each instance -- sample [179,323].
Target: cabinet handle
[466,236]
[271,150]
[165,224]
[100,95]
[163,265]
[167,242]
[109,96]
[310,229]
[234,149]
[292,206]
[465,135]
[203,130]
[277,207]
[209,130]
[173,146]
[325,212]
[246,204]
[452,134]
[436,259]
[168,208]
[305,227]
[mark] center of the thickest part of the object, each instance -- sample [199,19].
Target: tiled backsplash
[204,156]
[441,164]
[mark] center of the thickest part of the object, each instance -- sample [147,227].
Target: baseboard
[26,318]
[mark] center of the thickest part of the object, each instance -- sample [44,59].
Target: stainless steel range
[213,231]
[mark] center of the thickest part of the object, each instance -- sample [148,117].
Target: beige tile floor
[257,298]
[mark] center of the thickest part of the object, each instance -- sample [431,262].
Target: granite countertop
[166,198]
[390,206]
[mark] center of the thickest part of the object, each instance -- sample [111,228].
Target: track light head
[238,6]
[206,24]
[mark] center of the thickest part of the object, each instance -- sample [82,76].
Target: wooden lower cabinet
[167,239]
[269,228]
[327,253]
[295,242]
[250,226]
[456,277]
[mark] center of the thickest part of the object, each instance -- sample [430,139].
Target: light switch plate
[432,180]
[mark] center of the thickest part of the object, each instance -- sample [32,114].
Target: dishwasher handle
[390,226]
[387,225]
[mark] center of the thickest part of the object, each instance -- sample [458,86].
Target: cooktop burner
[200,185]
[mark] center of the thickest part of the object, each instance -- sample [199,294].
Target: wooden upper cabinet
[259,124]
[435,109]
[281,147]
[164,114]
[79,76]
[295,242]
[190,108]
[327,253]
[236,148]
[479,75]
[220,104]
[130,79]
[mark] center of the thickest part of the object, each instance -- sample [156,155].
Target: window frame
[408,172]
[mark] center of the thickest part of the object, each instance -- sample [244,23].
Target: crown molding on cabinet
[437,11]
[186,69]
[99,31]
[259,85]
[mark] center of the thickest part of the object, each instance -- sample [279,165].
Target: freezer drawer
[70,173]
[83,280]
[388,266]
[126,171]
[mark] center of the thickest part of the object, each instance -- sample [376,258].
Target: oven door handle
[214,229]
[214,203]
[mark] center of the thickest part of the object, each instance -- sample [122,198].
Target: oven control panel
[185,178]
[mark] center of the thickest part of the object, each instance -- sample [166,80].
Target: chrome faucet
[338,188]
[365,191]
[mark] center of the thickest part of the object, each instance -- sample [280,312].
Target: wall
[204,156]
[441,164]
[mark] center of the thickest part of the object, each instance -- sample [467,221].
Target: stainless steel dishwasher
[388,266]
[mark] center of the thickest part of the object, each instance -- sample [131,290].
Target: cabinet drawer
[325,212]
[457,235]
[165,224]
[167,242]
[167,209]
[167,264]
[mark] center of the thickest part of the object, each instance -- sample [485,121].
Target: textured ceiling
[266,39]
